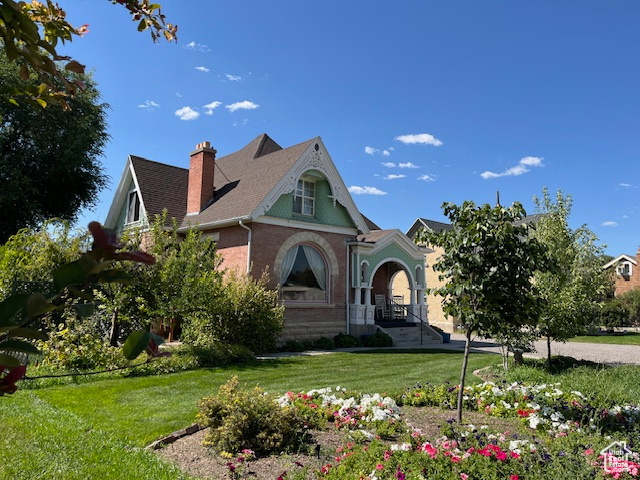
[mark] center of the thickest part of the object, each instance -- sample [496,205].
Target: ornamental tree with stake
[488,263]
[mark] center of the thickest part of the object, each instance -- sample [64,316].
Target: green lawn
[95,430]
[628,339]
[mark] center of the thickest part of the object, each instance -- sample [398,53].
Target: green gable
[327,212]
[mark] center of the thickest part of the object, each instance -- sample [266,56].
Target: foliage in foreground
[250,420]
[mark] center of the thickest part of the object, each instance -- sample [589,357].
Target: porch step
[408,336]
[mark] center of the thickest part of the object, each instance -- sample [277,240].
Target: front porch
[375,260]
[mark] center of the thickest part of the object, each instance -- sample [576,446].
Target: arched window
[304,275]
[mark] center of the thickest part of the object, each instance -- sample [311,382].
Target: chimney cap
[203,145]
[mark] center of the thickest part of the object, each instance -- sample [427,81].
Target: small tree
[573,289]
[488,264]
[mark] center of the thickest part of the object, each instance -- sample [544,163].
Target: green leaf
[135,344]
[69,274]
[8,360]
[10,306]
[142,25]
[14,345]
[37,305]
[84,309]
[28,333]
[114,276]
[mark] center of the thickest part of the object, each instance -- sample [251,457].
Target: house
[623,267]
[288,210]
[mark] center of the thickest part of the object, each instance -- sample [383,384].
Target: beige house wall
[436,316]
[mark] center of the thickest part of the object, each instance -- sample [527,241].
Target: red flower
[8,382]
[108,243]
[513,477]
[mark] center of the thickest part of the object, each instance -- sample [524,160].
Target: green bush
[346,341]
[324,343]
[215,354]
[613,314]
[244,312]
[380,339]
[631,302]
[294,346]
[240,419]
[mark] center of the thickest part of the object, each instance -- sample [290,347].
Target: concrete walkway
[600,353]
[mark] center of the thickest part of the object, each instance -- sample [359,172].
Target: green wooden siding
[392,250]
[326,213]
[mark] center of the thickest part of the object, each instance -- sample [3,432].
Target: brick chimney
[201,169]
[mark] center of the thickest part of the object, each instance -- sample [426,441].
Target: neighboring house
[288,210]
[625,269]
[437,317]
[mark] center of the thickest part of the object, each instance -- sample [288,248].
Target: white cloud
[233,78]
[609,223]
[522,167]
[386,153]
[245,105]
[356,190]
[625,216]
[370,150]
[149,104]
[202,69]
[210,107]
[187,113]
[196,46]
[394,176]
[389,164]
[407,165]
[626,185]
[426,178]
[419,138]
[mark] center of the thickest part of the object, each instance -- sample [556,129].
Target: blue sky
[418,102]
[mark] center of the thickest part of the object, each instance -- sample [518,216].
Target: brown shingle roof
[373,236]
[161,186]
[244,178]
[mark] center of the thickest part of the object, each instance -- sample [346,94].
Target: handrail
[423,325]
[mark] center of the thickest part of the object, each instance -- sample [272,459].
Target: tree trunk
[549,352]
[505,357]
[517,357]
[465,361]
[115,329]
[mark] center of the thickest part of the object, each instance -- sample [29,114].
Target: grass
[95,430]
[626,339]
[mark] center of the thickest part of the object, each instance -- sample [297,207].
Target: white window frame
[300,193]
[138,212]
[621,267]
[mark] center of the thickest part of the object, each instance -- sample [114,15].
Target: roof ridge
[137,157]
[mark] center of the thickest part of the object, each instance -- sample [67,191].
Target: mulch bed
[194,459]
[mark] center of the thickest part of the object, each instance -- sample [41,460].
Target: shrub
[215,354]
[244,312]
[380,339]
[346,341]
[613,314]
[240,419]
[324,343]
[294,346]
[307,344]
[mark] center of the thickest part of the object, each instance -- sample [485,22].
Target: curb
[172,437]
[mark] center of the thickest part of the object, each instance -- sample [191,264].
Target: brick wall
[301,322]
[624,283]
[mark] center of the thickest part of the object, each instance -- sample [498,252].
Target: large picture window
[304,198]
[304,275]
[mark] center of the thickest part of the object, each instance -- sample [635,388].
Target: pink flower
[387,454]
[502,456]
[464,476]
[513,477]
[588,451]
[379,467]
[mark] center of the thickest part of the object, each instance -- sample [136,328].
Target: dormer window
[304,198]
[624,269]
[133,207]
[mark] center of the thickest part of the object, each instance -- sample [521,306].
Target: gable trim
[315,157]
[122,192]
[284,222]
[618,259]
